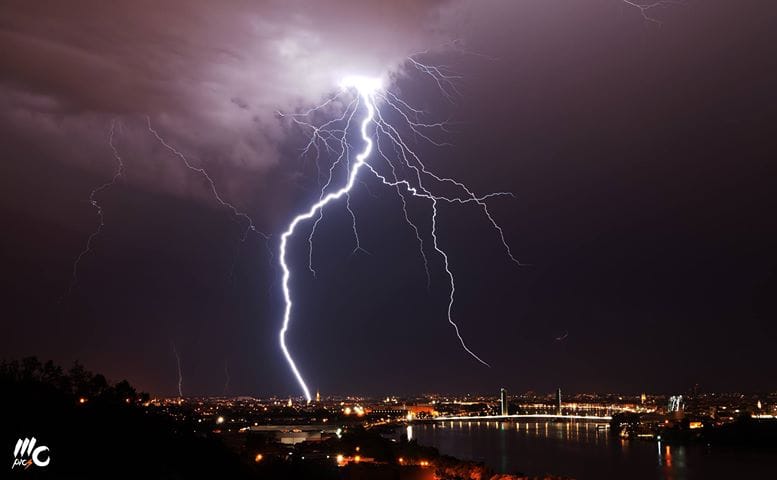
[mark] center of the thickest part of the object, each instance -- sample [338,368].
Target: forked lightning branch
[387,157]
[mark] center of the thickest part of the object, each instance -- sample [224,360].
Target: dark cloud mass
[213,74]
[641,156]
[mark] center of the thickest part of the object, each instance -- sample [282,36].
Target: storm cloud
[212,75]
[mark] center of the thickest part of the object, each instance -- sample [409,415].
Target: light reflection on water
[582,450]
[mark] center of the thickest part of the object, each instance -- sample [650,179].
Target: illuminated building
[503,402]
[294,434]
[421,410]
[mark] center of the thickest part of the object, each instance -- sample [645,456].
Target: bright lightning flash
[366,89]
[370,95]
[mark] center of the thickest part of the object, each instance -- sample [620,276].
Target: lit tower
[558,401]
[503,402]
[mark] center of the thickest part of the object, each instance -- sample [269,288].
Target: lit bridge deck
[525,416]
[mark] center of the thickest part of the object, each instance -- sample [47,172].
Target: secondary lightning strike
[118,172]
[180,375]
[645,8]
[251,227]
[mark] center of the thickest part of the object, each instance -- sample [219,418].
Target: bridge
[547,416]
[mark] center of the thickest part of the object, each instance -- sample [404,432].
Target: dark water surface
[579,450]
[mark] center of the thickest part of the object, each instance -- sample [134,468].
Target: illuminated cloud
[212,75]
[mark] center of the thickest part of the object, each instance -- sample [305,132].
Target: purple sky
[641,157]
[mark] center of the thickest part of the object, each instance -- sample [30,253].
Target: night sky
[642,159]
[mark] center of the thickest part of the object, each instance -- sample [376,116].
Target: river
[581,451]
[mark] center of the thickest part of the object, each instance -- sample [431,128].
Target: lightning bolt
[646,8]
[365,95]
[180,374]
[405,173]
[250,226]
[118,172]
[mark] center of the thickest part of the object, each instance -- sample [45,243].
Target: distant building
[421,410]
[558,401]
[503,402]
[293,434]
